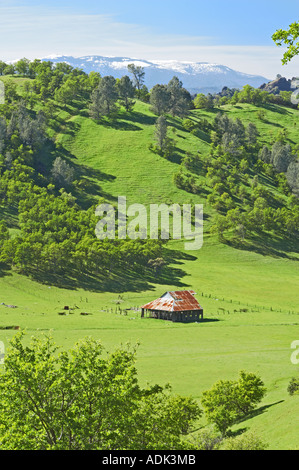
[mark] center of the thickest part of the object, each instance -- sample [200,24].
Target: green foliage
[159,99]
[292,176]
[22,66]
[138,75]
[164,143]
[263,223]
[83,399]
[103,98]
[288,38]
[126,92]
[293,387]
[171,98]
[227,401]
[207,439]
[180,98]
[281,157]
[247,441]
[63,174]
[204,101]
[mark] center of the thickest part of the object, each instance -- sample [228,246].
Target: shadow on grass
[73,280]
[122,279]
[177,257]
[126,121]
[10,215]
[209,320]
[69,128]
[236,433]
[272,123]
[203,136]
[276,109]
[176,156]
[259,411]
[5,270]
[143,119]
[119,124]
[277,247]
[89,178]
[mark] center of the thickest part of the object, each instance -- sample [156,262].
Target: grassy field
[190,357]
[116,160]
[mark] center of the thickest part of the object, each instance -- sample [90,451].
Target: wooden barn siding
[180,317]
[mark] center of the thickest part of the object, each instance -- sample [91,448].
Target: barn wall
[178,317]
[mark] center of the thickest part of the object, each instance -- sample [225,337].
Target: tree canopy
[290,39]
[86,399]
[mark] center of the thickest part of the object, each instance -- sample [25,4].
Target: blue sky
[230,32]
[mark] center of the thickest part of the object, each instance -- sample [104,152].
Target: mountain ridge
[197,77]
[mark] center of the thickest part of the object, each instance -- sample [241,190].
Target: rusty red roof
[177,301]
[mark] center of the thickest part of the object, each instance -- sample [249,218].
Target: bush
[207,439]
[247,441]
[293,387]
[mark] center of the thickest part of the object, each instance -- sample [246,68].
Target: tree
[138,74]
[229,400]
[251,133]
[293,176]
[231,144]
[237,128]
[31,131]
[126,92]
[265,154]
[62,172]
[4,233]
[94,79]
[161,132]
[164,143]
[9,69]
[144,94]
[180,99]
[85,399]
[220,224]
[33,68]
[3,133]
[251,391]
[222,124]
[11,93]
[281,157]
[22,66]
[103,98]
[63,95]
[218,405]
[2,67]
[204,102]
[160,99]
[288,38]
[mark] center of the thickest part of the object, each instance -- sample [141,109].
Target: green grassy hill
[115,160]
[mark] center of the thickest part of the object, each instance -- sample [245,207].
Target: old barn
[178,306]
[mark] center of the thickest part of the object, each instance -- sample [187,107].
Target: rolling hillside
[114,159]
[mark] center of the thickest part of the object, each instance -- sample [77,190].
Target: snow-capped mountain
[197,77]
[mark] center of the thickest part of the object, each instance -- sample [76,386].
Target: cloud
[42,31]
